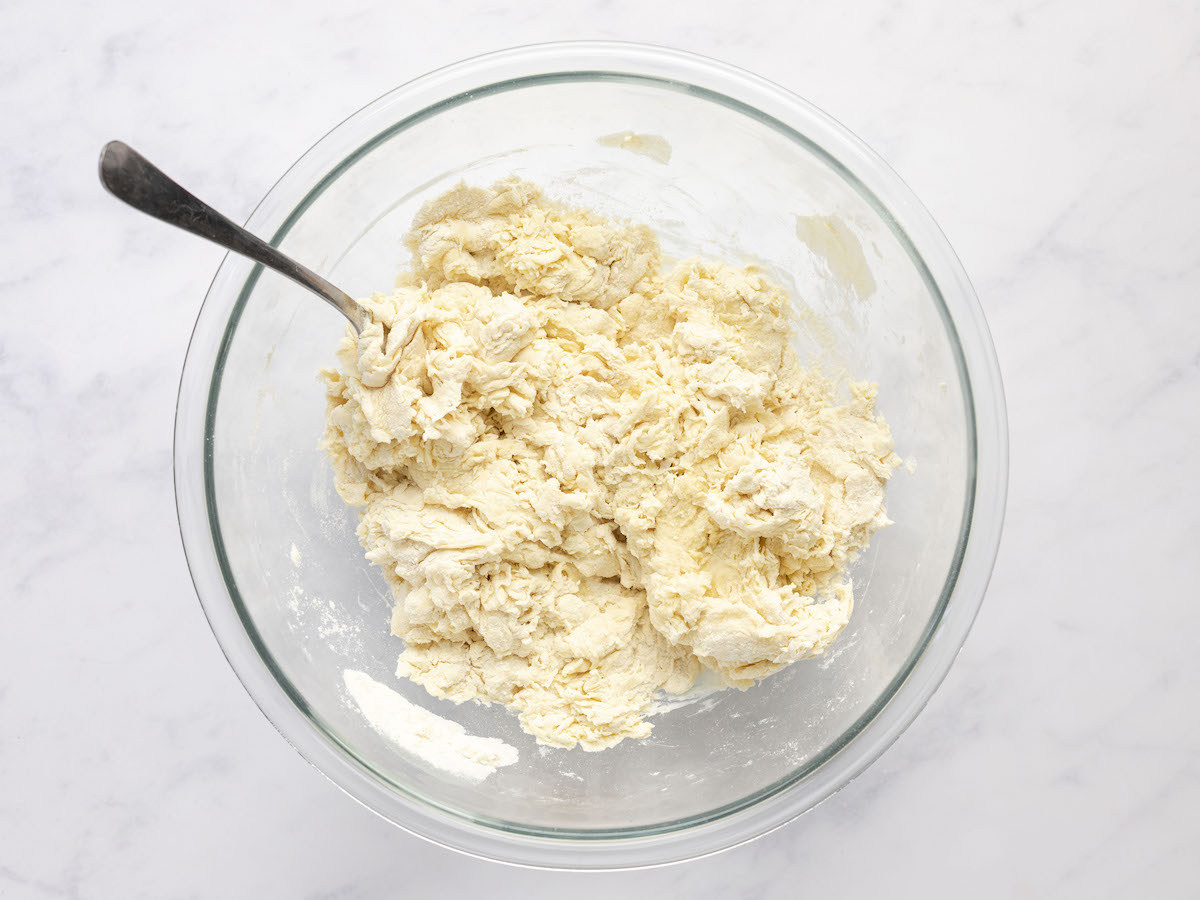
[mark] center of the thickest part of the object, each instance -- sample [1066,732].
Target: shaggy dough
[588,475]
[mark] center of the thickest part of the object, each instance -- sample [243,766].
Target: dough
[587,475]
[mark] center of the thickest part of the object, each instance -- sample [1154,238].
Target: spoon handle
[131,177]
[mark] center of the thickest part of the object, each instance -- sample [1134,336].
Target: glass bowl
[736,169]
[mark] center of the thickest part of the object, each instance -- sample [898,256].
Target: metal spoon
[131,177]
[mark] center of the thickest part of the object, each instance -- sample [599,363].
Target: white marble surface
[1057,144]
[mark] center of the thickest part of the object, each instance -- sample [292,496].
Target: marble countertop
[1057,145]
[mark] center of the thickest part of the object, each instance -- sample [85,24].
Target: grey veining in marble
[1055,142]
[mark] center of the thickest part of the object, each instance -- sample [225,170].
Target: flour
[707,684]
[443,744]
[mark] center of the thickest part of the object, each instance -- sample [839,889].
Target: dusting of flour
[443,744]
[706,685]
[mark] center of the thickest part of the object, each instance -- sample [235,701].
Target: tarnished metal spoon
[131,177]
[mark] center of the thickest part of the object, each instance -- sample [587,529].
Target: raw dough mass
[587,474]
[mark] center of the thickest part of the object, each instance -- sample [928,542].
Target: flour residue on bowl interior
[311,614]
[443,744]
[651,146]
[840,249]
[707,684]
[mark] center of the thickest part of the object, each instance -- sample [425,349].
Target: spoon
[131,177]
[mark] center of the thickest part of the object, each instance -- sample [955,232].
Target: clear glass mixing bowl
[753,174]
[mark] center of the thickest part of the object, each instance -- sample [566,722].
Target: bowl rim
[763,810]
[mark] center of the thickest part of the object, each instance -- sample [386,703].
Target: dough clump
[587,475]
